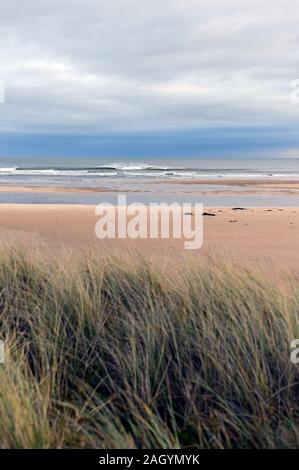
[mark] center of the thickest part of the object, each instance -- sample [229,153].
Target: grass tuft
[127,355]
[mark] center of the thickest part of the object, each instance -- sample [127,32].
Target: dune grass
[122,354]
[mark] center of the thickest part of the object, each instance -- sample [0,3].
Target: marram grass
[123,354]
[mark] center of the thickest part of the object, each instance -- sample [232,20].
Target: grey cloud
[131,64]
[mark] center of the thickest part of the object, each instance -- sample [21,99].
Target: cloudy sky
[149,77]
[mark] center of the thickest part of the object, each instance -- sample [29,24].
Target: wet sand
[253,185]
[258,183]
[49,189]
[255,236]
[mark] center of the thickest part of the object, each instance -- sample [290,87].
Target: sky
[181,78]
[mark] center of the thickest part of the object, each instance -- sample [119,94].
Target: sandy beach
[253,236]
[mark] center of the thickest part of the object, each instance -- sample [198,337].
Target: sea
[146,180]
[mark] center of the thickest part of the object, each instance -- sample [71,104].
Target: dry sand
[256,236]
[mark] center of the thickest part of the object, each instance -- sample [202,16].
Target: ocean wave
[54,172]
[142,171]
[8,170]
[138,167]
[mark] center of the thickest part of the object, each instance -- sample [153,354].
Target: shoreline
[233,186]
[279,182]
[259,183]
[49,189]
